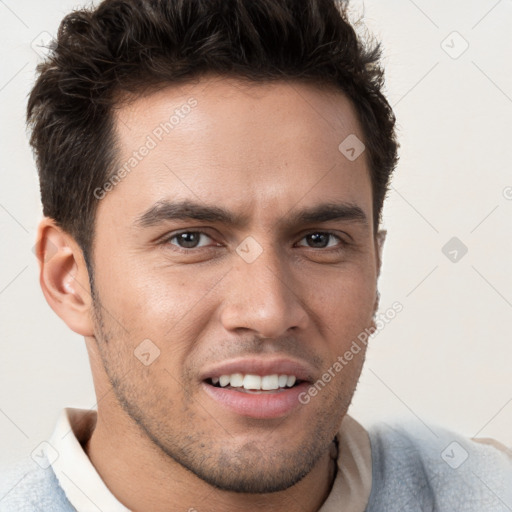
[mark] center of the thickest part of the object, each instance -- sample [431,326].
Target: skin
[265,151]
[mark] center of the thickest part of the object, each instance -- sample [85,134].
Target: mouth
[255,384]
[258,388]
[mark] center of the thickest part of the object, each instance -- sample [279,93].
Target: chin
[251,481]
[251,470]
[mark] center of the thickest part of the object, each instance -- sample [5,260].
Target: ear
[63,277]
[380,238]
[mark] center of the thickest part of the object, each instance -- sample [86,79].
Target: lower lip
[258,405]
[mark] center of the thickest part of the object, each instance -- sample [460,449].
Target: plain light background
[446,358]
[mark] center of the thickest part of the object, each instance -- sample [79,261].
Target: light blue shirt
[413,469]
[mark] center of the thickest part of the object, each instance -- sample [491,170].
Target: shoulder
[428,468]
[30,487]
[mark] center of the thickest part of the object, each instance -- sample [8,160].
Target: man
[212,177]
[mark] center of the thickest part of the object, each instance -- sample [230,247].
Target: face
[235,253]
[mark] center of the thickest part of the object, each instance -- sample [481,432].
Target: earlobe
[63,277]
[376,305]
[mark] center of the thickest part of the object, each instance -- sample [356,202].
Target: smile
[250,382]
[246,395]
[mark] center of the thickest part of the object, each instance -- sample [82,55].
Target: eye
[197,239]
[188,239]
[320,239]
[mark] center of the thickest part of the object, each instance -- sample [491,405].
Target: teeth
[255,382]
[252,382]
[237,380]
[270,382]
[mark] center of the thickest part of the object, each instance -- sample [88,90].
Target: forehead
[240,144]
[219,106]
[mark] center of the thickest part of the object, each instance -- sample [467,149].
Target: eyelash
[166,241]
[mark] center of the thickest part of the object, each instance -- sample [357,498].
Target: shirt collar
[78,478]
[87,492]
[353,483]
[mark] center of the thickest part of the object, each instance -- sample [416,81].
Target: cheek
[345,312]
[347,299]
[149,299]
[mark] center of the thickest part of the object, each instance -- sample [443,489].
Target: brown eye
[320,239]
[187,239]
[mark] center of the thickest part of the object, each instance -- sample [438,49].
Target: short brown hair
[132,45]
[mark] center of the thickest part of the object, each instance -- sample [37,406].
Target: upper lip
[261,366]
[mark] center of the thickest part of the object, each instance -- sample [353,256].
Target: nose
[263,296]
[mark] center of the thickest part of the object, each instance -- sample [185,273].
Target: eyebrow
[165,210]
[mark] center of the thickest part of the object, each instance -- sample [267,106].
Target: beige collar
[87,492]
[352,486]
